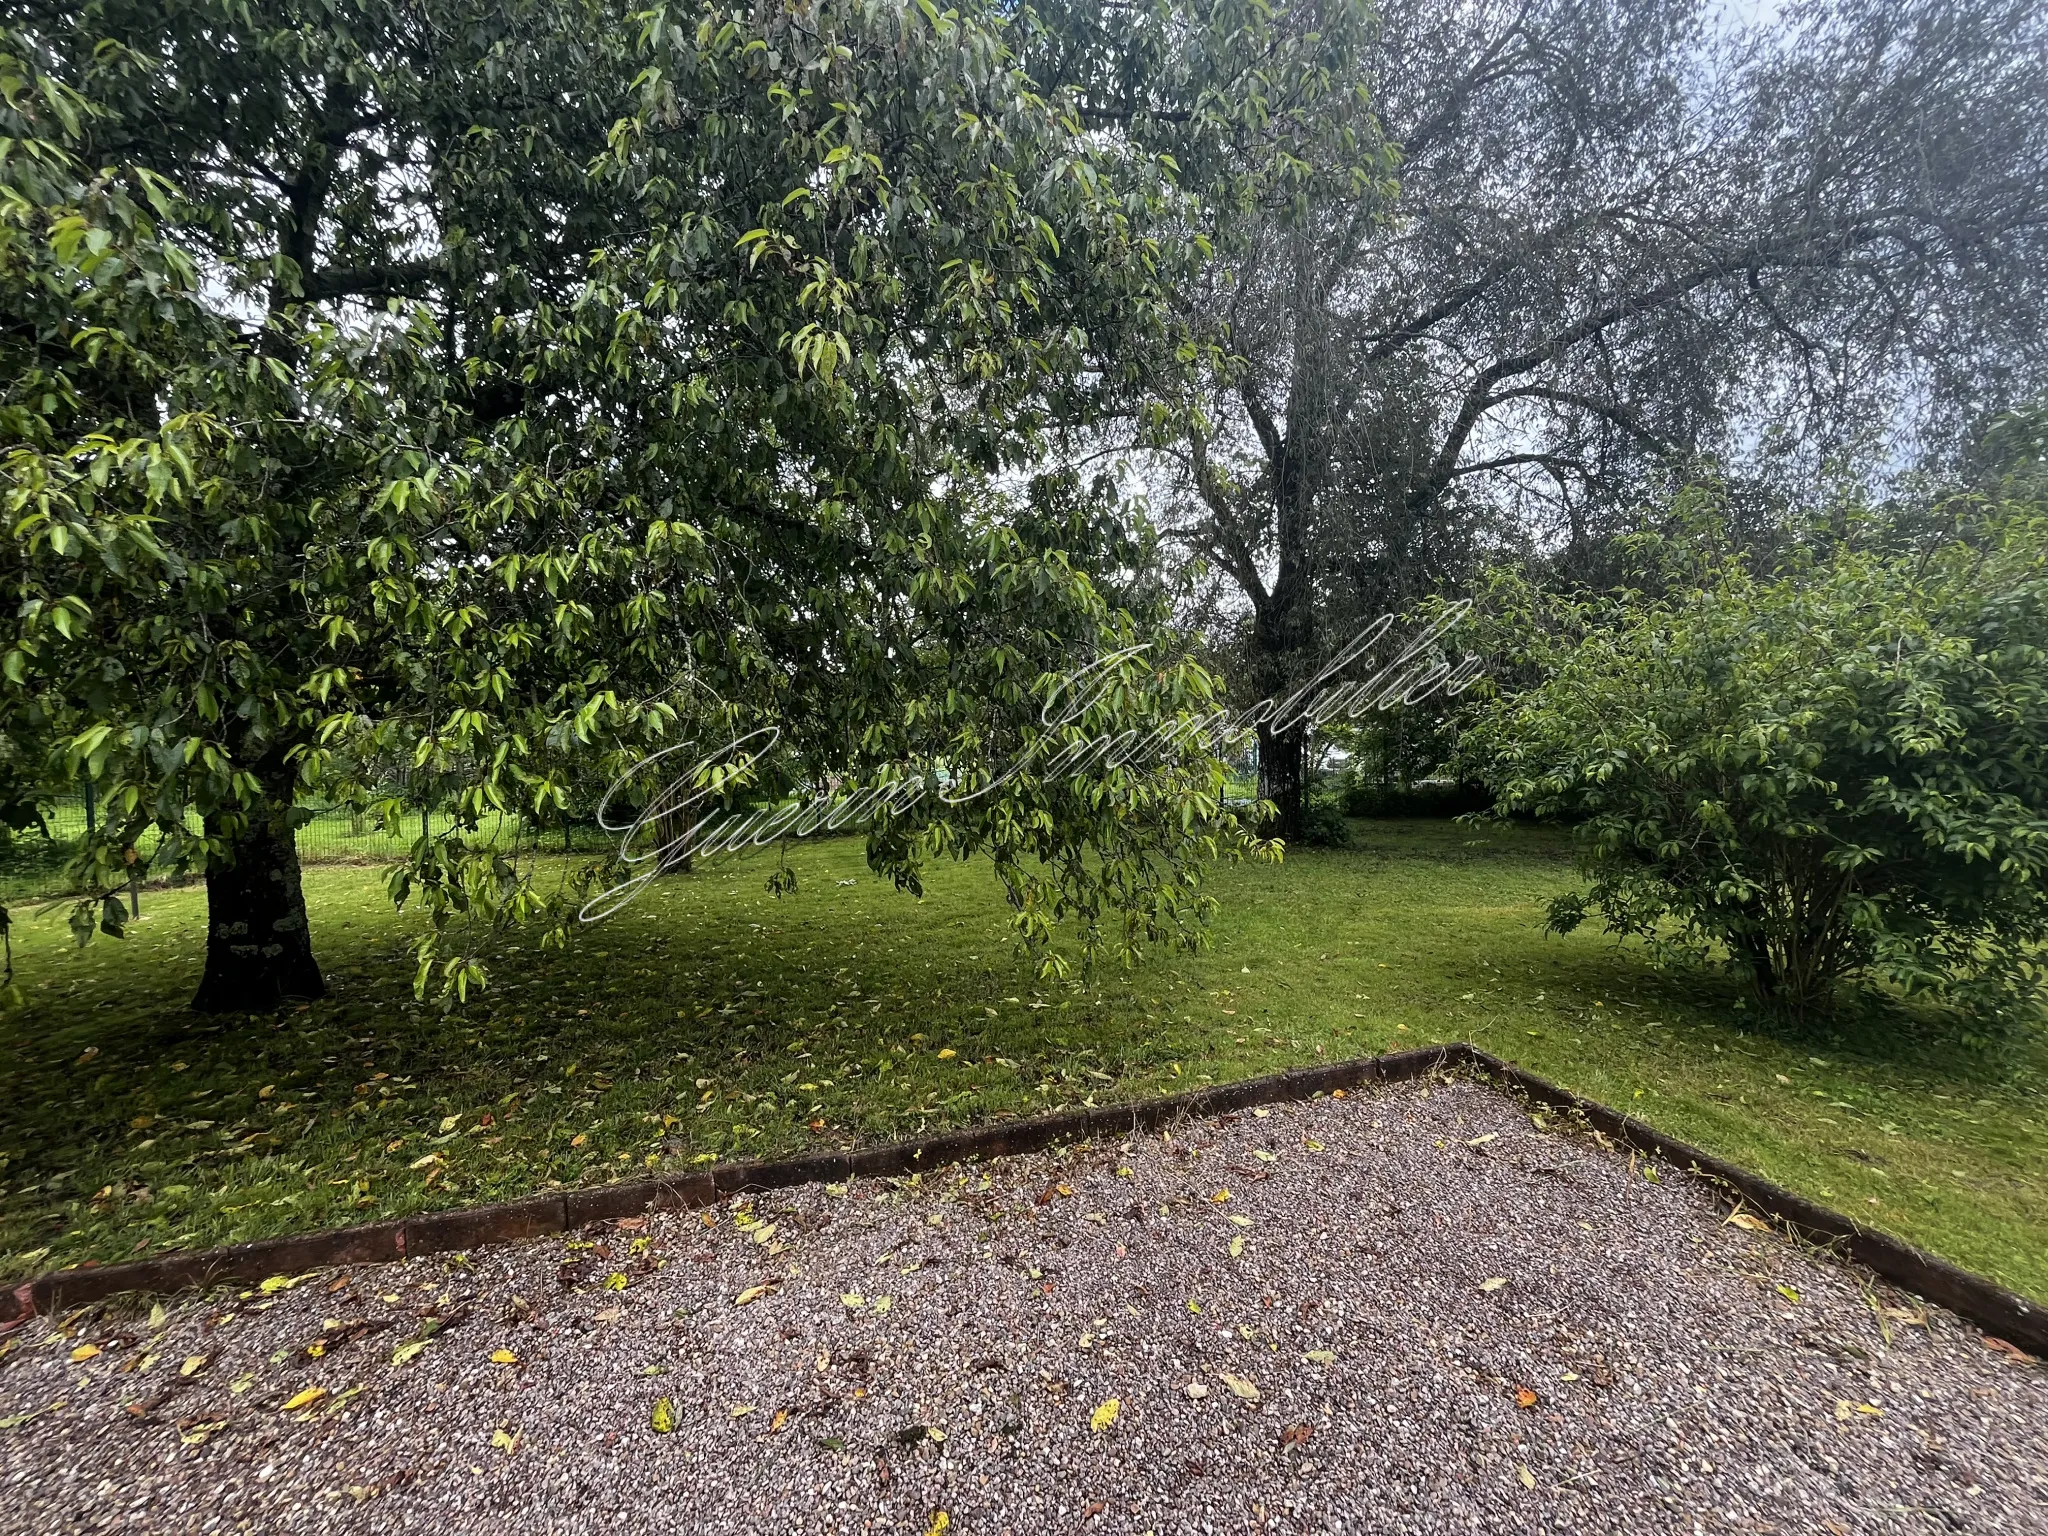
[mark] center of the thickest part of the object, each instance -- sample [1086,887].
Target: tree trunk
[1283,778]
[259,948]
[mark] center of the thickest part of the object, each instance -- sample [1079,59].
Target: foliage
[1830,770]
[1616,236]
[483,397]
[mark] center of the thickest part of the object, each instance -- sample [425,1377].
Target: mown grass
[714,1020]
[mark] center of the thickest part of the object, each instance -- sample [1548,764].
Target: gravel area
[1415,1309]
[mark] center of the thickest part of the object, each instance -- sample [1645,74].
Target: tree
[1618,240]
[1830,771]
[487,392]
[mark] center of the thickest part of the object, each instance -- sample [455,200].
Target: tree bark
[259,946]
[1283,778]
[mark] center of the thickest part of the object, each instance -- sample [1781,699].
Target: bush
[1439,800]
[1838,770]
[1322,820]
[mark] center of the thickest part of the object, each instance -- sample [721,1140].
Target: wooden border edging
[1996,1310]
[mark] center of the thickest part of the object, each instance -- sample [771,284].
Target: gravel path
[1412,1310]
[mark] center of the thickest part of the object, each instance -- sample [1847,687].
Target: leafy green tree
[1829,771]
[499,394]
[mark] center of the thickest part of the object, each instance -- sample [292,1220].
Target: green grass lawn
[713,1020]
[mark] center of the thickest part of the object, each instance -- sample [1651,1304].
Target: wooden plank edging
[1990,1307]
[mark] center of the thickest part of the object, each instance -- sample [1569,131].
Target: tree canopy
[494,395]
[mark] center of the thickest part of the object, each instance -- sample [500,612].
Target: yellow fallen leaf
[449,1123]
[278,1283]
[1238,1384]
[1219,1197]
[940,1521]
[1493,1284]
[405,1352]
[1480,1141]
[948,1054]
[882,1303]
[85,1351]
[1747,1222]
[663,1418]
[853,1299]
[503,1357]
[1321,1357]
[505,1440]
[304,1399]
[1104,1416]
[751,1293]
[741,1410]
[1528,1478]
[1788,1293]
[1237,1247]
[781,1418]
[193,1363]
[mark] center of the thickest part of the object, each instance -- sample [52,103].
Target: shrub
[1839,769]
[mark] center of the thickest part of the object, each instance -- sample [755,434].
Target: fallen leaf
[948,1054]
[1219,1197]
[1295,1434]
[1493,1284]
[449,1123]
[305,1399]
[1105,1415]
[615,1281]
[752,1293]
[1196,1390]
[741,1410]
[503,1357]
[940,1519]
[2003,1346]
[1237,1247]
[1480,1141]
[406,1352]
[1240,1386]
[853,1299]
[504,1440]
[1321,1357]
[781,1418]
[1788,1293]
[663,1419]
[85,1351]
[882,1303]
[193,1363]
[1524,1398]
[1528,1478]
[1747,1222]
